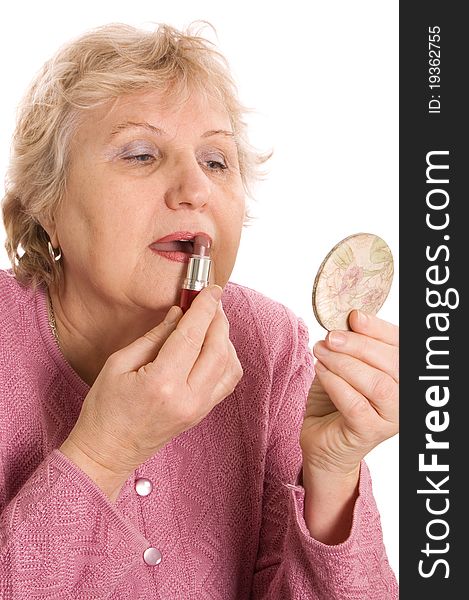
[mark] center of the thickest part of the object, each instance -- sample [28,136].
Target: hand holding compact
[353,402]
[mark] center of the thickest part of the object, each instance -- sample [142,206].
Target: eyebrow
[132,125]
[229,134]
[158,131]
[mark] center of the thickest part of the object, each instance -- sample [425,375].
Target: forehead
[195,115]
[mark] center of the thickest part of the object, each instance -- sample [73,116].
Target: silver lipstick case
[198,272]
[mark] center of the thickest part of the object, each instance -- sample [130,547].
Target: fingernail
[362,318]
[336,338]
[216,292]
[320,349]
[172,315]
[320,367]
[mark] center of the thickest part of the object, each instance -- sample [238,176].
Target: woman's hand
[353,402]
[152,390]
[352,407]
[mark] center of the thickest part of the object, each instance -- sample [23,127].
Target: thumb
[146,348]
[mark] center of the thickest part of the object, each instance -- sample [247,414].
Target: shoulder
[249,305]
[12,293]
[7,279]
[264,327]
[17,307]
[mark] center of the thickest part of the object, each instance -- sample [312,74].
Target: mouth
[178,246]
[186,246]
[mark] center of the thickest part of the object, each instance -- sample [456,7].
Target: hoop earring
[52,252]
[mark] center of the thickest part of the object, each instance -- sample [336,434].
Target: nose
[189,187]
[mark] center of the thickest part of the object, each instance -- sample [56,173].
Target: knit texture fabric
[226,510]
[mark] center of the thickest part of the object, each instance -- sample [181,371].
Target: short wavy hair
[101,65]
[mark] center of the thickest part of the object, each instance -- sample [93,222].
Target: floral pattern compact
[357,273]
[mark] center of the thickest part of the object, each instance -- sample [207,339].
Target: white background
[323,79]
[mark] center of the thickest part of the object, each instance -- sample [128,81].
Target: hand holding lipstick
[152,390]
[352,407]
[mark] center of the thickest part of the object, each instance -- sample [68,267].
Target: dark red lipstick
[198,271]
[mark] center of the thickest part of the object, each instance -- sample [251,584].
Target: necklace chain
[52,321]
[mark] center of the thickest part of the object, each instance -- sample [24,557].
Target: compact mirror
[356,273]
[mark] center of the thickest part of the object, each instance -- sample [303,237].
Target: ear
[50,228]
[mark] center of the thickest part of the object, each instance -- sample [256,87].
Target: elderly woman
[147,452]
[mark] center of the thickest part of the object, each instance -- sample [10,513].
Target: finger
[144,349]
[227,382]
[180,351]
[357,412]
[229,379]
[379,388]
[374,327]
[380,355]
[319,404]
[225,385]
[213,358]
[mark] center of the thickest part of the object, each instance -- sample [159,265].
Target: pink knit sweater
[224,514]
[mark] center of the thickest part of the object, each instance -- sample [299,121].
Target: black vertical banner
[434,268]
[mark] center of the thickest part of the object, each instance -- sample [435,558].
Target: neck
[89,331]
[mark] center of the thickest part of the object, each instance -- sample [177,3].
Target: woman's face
[138,173]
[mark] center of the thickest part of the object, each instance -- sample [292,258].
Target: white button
[143,486]
[152,556]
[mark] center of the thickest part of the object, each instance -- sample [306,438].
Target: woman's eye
[139,158]
[214,161]
[216,165]
[139,154]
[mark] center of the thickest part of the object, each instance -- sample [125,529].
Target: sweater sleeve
[60,537]
[291,563]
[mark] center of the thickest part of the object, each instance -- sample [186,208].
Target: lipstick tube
[198,272]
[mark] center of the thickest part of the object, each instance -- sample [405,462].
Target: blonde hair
[101,65]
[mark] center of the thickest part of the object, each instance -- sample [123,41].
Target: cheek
[230,236]
[101,211]
[230,218]
[237,221]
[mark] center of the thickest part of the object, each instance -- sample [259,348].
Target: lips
[175,246]
[179,245]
